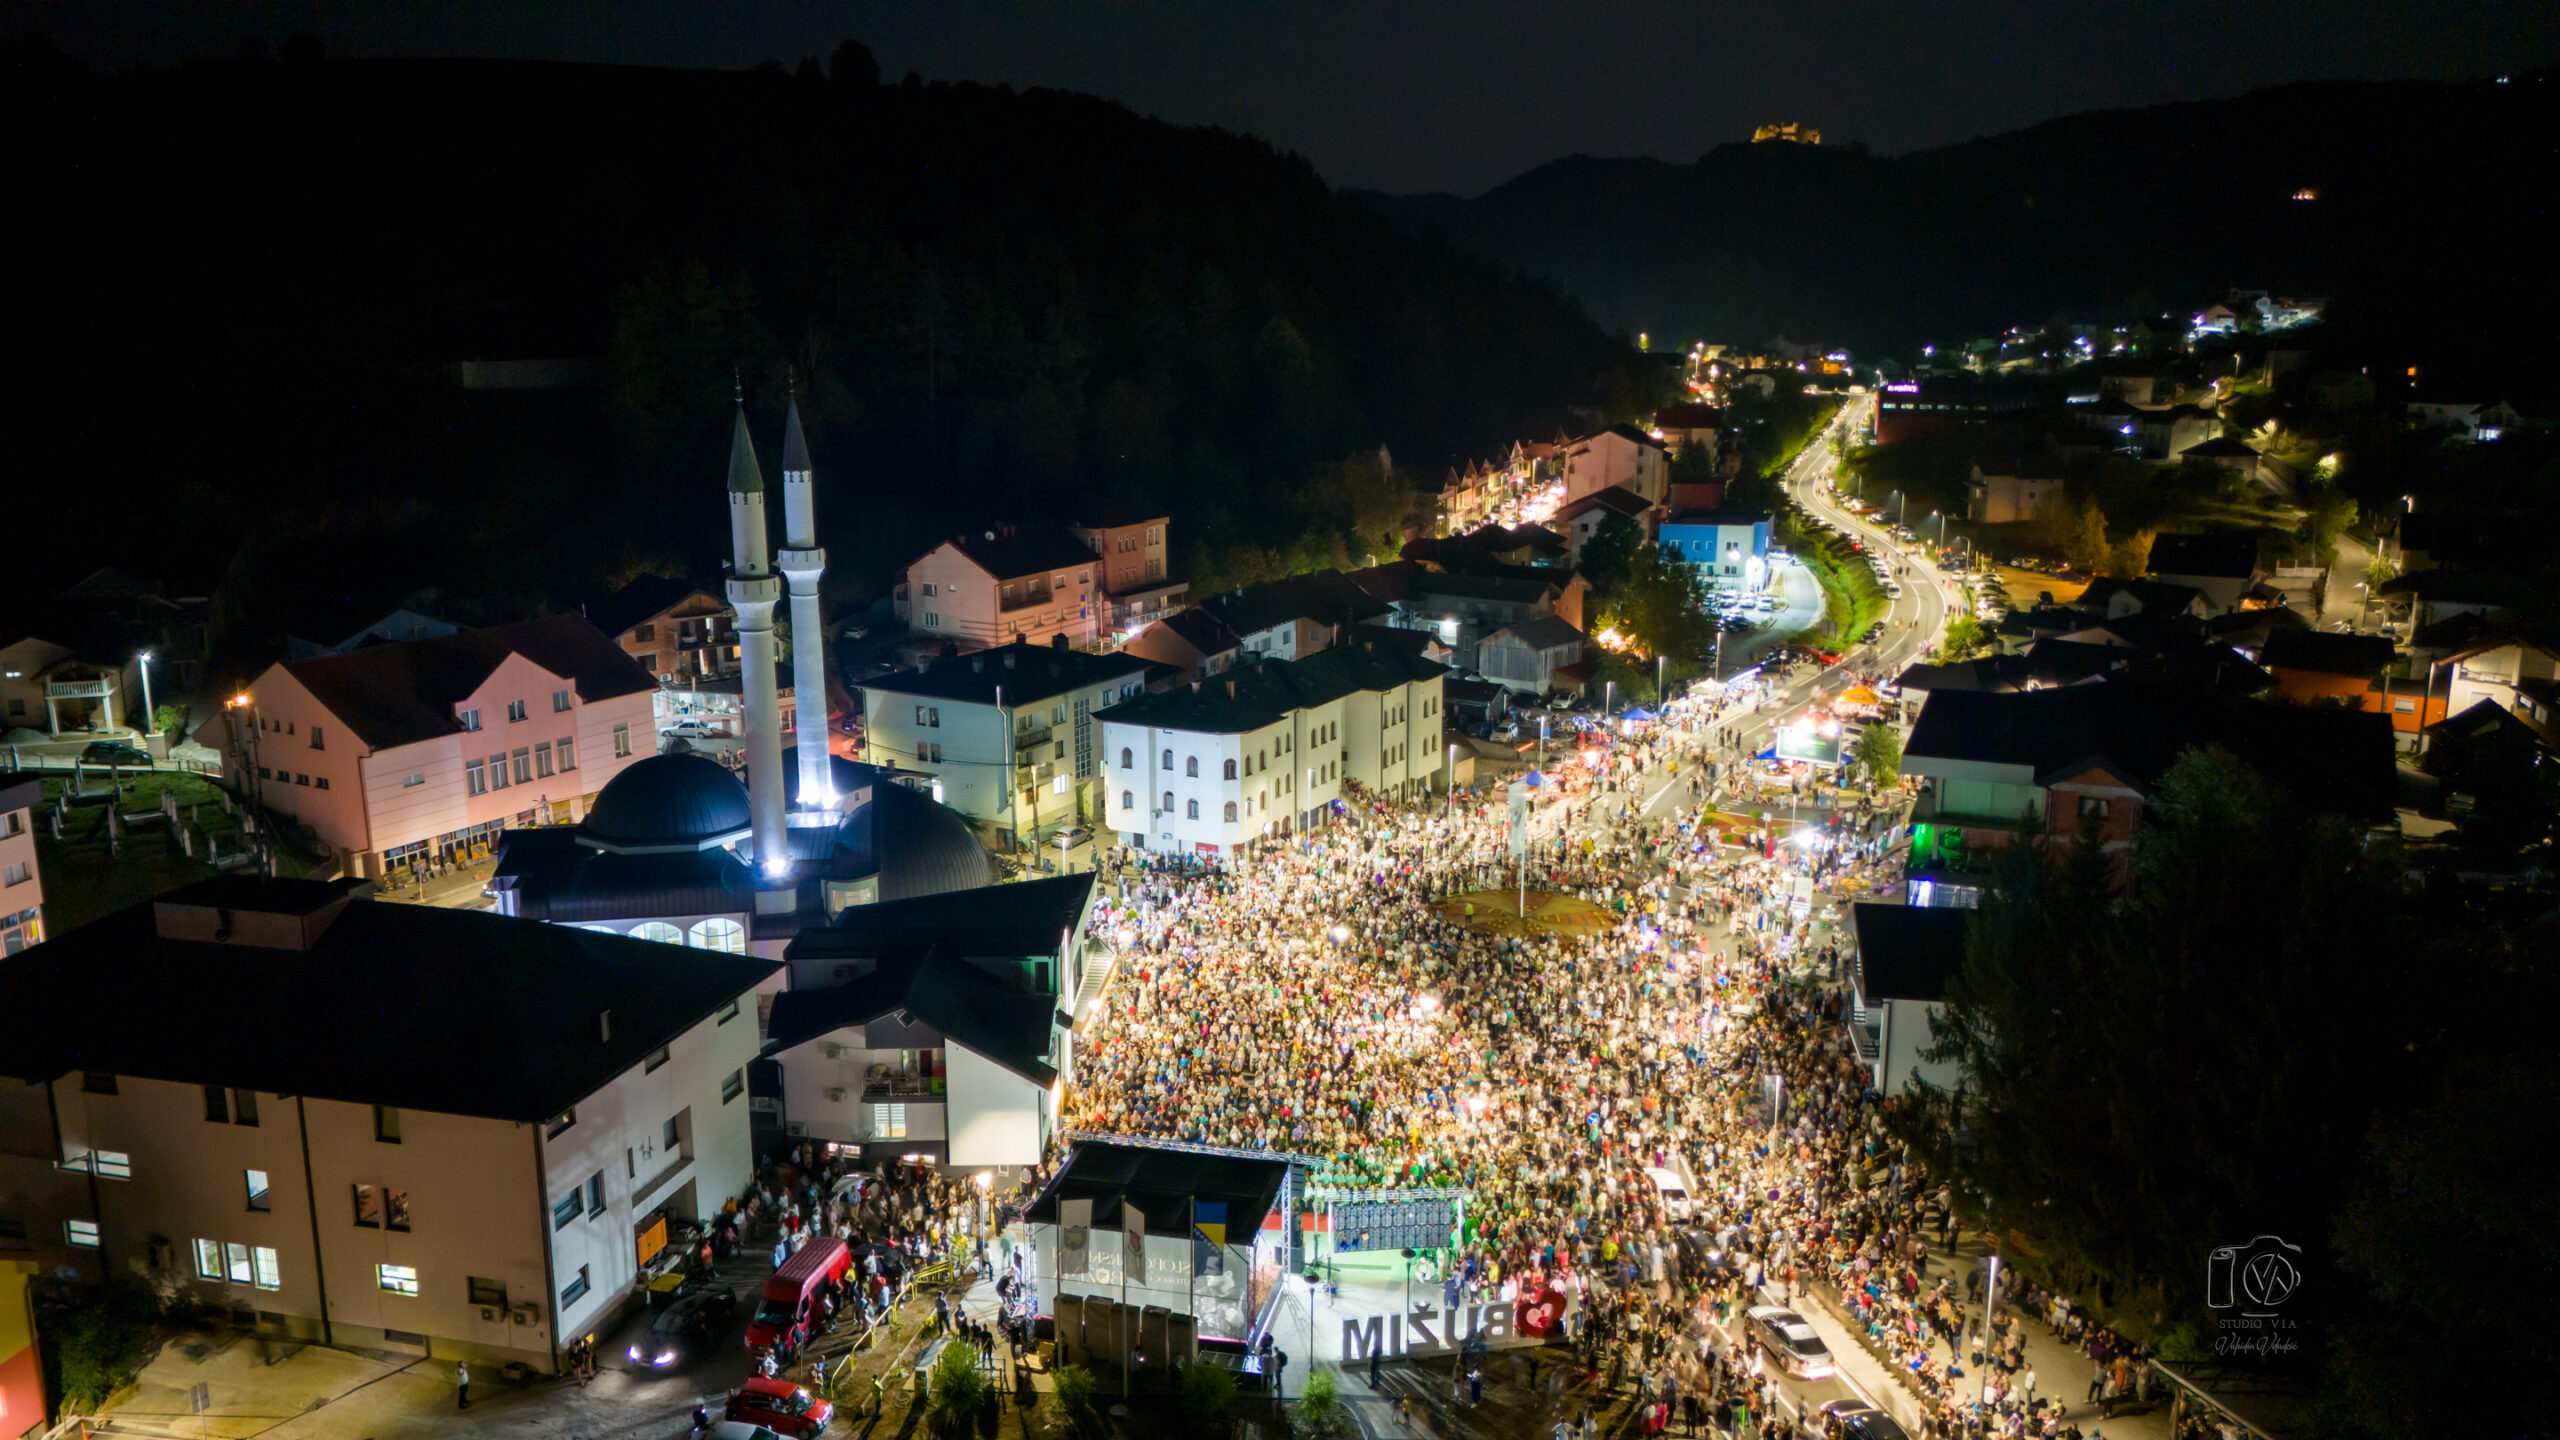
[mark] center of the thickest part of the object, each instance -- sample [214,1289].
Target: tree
[99,1338]
[1879,753]
[854,67]
[1208,1394]
[2132,557]
[959,1392]
[2331,513]
[2380,569]
[2081,533]
[1609,554]
[1321,1409]
[1078,1403]
[1662,605]
[1965,635]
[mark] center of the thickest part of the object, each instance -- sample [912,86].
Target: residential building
[396,752]
[1581,519]
[1463,609]
[1266,748]
[1898,988]
[2005,490]
[1003,585]
[936,1027]
[57,688]
[1536,656]
[23,1402]
[1619,455]
[1213,1246]
[1729,547]
[1007,734]
[2466,420]
[21,877]
[2169,433]
[399,625]
[407,1128]
[1292,618]
[2313,666]
[2223,567]
[1137,584]
[676,630]
[2049,766]
[1193,642]
[1689,423]
[2517,675]
[1907,409]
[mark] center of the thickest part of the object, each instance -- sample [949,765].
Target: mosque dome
[667,804]
[922,847]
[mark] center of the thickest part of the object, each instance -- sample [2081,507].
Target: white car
[1789,1341]
[687,730]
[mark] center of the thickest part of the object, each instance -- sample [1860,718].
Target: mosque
[879,897]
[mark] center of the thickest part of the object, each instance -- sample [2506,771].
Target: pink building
[1619,455]
[1001,585]
[395,753]
[21,882]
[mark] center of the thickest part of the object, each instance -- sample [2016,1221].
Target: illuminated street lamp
[150,721]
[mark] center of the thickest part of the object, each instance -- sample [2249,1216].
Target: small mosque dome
[668,804]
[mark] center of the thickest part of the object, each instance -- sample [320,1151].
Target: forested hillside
[996,306]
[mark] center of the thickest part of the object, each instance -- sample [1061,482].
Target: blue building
[1731,547]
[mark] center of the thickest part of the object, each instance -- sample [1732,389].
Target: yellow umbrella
[1860,695]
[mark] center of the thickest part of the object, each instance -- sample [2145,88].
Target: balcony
[1928,811]
[899,1089]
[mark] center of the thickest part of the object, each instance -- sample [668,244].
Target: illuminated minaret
[753,592]
[802,562]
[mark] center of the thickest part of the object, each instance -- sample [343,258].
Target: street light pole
[150,720]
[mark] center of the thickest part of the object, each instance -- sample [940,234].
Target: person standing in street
[462,1384]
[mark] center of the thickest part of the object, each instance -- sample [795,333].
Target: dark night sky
[1418,96]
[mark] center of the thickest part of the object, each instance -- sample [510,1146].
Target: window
[724,935]
[929,716]
[1168,760]
[407,781]
[20,873]
[656,1060]
[1058,786]
[1191,766]
[398,1279]
[645,632]
[728,1013]
[568,754]
[209,1259]
[889,1122]
[368,1203]
[2403,705]
[930,589]
[492,1293]
[937,752]
[524,765]
[475,778]
[542,760]
[98,1082]
[732,1085]
[217,1105]
[621,741]
[567,1208]
[83,1233]
[497,772]
[1231,770]
[515,710]
[1128,801]
[244,1106]
[315,739]
[470,719]
[257,1183]
[235,1260]
[268,1274]
[923,751]
[1125,758]
[1231,812]
[2094,807]
[386,1124]
[112,1165]
[1191,809]
[1167,807]
[559,701]
[324,782]
[560,1123]
[302,780]
[571,1292]
[671,1134]
[595,1194]
[932,621]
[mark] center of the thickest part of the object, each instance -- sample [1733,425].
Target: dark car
[1702,1261]
[109,752]
[1863,1421]
[692,1327]
[1791,1343]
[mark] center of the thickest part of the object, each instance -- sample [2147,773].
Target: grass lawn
[83,880]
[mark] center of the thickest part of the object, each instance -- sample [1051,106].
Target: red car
[780,1406]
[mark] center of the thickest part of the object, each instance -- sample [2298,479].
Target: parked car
[1789,1341]
[687,1330]
[111,752]
[687,730]
[780,1406]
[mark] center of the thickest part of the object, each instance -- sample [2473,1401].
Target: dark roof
[997,921]
[2221,447]
[668,802]
[1392,637]
[1629,432]
[2045,466]
[744,477]
[21,790]
[1542,632]
[1501,588]
[1390,581]
[2457,587]
[2229,555]
[1617,499]
[1201,631]
[455,1011]
[916,846]
[1025,672]
[1328,597]
[1689,415]
[2338,760]
[1719,517]
[2068,662]
[1907,952]
[1250,697]
[1163,1183]
[969,1007]
[548,875]
[2156,597]
[2327,653]
[394,694]
[1009,553]
[645,598]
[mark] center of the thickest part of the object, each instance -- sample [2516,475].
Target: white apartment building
[21,878]
[1619,455]
[1007,734]
[1265,749]
[1004,585]
[430,1131]
[426,751]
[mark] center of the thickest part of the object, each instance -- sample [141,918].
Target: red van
[789,1307]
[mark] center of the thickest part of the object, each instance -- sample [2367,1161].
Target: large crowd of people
[1332,995]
